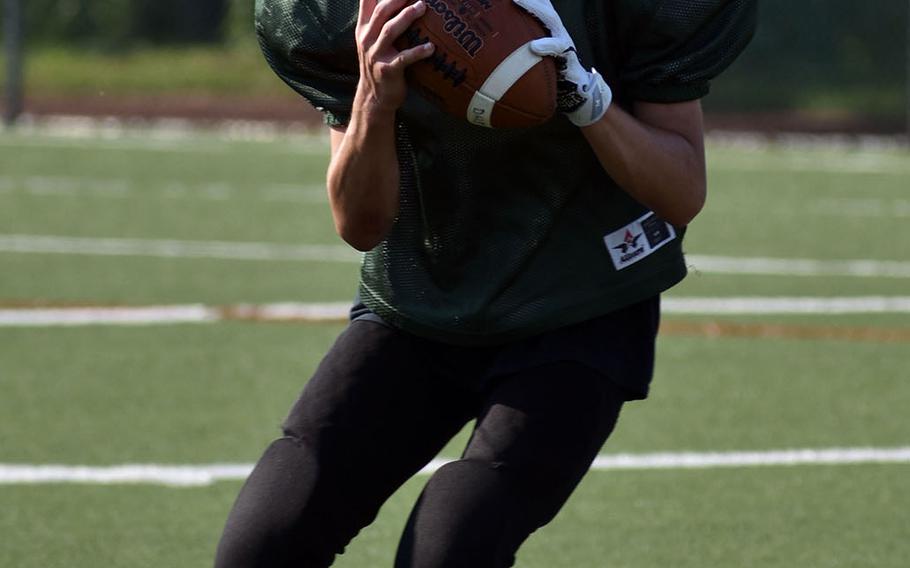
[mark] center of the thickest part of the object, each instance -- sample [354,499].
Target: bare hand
[382,84]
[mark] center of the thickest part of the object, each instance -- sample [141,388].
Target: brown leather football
[482,68]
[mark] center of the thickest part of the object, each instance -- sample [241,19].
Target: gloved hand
[582,95]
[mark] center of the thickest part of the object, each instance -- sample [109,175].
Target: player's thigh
[374,401]
[543,427]
[534,440]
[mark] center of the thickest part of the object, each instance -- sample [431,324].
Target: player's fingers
[397,25]
[382,13]
[413,55]
[549,46]
[366,10]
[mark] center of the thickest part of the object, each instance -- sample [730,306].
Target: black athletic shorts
[619,345]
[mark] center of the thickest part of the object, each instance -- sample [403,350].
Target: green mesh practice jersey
[502,234]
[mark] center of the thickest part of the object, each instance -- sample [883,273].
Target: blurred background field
[133,213]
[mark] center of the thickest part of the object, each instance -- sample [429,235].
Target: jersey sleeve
[310,45]
[672,49]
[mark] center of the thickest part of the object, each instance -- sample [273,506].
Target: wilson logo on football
[483,68]
[467,38]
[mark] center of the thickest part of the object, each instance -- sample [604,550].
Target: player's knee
[465,517]
[277,519]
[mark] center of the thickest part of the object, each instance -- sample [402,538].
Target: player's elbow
[363,212]
[687,205]
[362,222]
[363,234]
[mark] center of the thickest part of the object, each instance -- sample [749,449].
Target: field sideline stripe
[204,475]
[260,251]
[24,315]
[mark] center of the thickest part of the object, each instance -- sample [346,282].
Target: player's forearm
[363,180]
[661,168]
[363,175]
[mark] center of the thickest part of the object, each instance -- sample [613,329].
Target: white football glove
[583,96]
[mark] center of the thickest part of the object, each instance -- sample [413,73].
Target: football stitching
[439,60]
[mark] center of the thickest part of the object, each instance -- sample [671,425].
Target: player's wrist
[583,96]
[371,126]
[378,98]
[374,114]
[597,97]
[371,110]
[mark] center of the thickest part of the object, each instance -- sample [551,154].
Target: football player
[510,277]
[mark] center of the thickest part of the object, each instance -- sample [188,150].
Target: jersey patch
[638,240]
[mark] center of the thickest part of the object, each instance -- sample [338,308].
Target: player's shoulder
[671,49]
[680,19]
[310,45]
[322,24]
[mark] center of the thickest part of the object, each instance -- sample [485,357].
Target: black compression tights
[374,414]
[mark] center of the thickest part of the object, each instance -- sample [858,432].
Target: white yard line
[863,207]
[45,244]
[786,306]
[204,475]
[136,474]
[113,128]
[162,135]
[287,312]
[93,187]
[69,317]
[117,144]
[812,153]
[54,186]
[338,311]
[710,460]
[51,244]
[798,266]
[174,314]
[310,193]
[119,188]
[855,164]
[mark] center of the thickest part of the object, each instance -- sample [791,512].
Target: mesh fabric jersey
[501,233]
